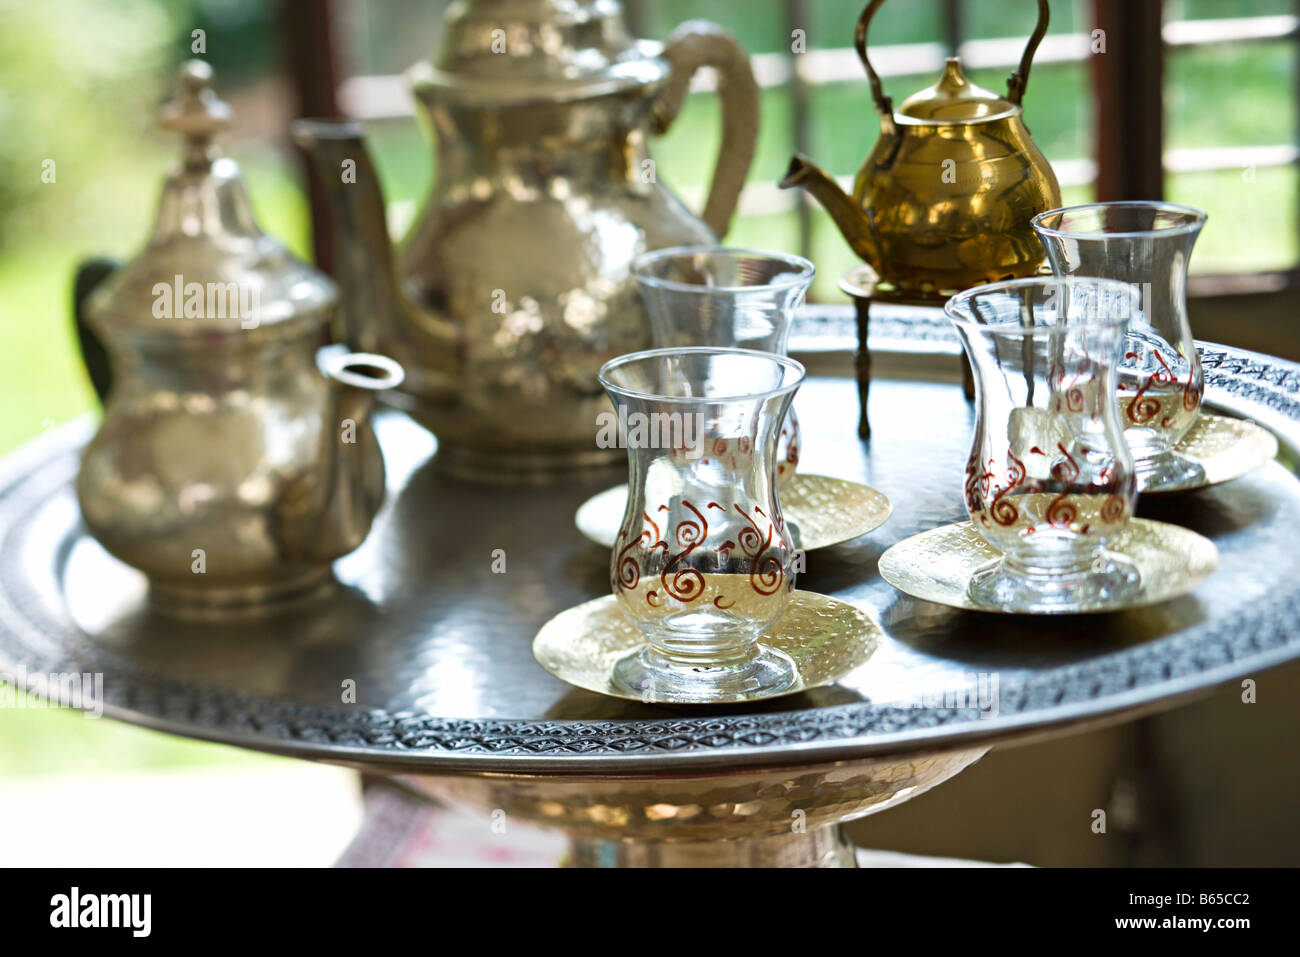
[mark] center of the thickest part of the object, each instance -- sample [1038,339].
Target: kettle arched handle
[1016,83]
[696,44]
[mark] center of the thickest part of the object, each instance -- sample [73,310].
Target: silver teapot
[235,460]
[513,286]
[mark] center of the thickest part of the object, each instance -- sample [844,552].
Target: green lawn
[38,742]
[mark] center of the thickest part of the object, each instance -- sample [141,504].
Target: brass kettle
[235,460]
[513,286]
[944,200]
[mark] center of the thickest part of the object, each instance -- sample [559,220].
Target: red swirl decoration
[977,485]
[767,572]
[1114,508]
[1062,512]
[767,575]
[683,583]
[686,584]
[751,539]
[689,533]
[1143,408]
[1191,392]
[1005,513]
[627,570]
[1065,471]
[1074,396]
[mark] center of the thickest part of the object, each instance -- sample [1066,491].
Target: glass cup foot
[1110,580]
[1167,472]
[653,677]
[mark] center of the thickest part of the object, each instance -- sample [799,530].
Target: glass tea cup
[1147,244]
[1050,480]
[703,563]
[727,298]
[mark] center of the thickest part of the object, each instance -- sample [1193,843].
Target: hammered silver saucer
[938,565]
[825,637]
[819,511]
[1224,447]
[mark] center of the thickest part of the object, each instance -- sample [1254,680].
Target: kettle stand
[865,288]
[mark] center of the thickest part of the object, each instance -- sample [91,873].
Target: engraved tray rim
[1104,689]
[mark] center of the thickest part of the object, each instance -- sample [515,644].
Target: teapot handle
[1016,83]
[699,43]
[90,274]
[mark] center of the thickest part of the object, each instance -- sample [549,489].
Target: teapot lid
[537,50]
[954,99]
[208,267]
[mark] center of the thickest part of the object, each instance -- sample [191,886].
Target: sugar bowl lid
[208,267]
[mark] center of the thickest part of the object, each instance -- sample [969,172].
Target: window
[1210,94]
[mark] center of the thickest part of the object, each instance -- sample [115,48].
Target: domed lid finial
[205,236]
[197,113]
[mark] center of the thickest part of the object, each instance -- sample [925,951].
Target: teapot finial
[197,113]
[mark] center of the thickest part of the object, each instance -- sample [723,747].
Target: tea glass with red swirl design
[1050,480]
[703,563]
[1147,244]
[727,298]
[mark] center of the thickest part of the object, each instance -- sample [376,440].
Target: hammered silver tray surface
[438,640]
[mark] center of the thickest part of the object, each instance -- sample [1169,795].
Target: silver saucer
[825,638]
[938,566]
[1225,448]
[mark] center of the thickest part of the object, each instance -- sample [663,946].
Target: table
[450,702]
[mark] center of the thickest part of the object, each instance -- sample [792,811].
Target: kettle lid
[954,99]
[208,267]
[537,50]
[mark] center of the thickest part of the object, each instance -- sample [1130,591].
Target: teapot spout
[328,513]
[377,316]
[852,221]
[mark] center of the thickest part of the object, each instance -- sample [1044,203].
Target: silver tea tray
[437,643]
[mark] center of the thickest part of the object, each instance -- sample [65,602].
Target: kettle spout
[328,513]
[377,316]
[852,221]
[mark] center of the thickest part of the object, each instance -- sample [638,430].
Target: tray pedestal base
[825,846]
[788,817]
